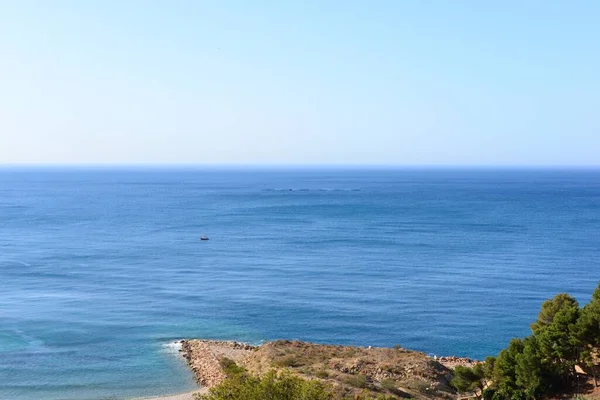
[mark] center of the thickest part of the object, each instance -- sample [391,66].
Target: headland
[350,370]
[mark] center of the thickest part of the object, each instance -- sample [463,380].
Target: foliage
[288,362]
[550,308]
[543,364]
[489,394]
[588,325]
[467,380]
[505,376]
[528,369]
[488,367]
[322,374]
[272,386]
[558,342]
[358,381]
[230,367]
[389,384]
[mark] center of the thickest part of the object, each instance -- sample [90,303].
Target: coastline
[203,357]
[180,396]
[414,374]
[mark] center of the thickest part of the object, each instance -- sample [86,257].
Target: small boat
[203,237]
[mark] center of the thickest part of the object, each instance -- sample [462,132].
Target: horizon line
[292,166]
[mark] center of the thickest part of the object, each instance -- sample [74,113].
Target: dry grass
[357,370]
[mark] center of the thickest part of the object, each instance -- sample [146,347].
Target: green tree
[488,367]
[468,380]
[544,363]
[505,375]
[589,321]
[588,331]
[550,308]
[559,344]
[528,369]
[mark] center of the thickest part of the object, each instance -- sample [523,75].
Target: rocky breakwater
[204,356]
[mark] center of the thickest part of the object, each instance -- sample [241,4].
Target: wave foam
[171,347]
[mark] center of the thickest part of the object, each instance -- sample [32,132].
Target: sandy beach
[181,396]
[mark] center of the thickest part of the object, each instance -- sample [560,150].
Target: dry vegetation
[350,370]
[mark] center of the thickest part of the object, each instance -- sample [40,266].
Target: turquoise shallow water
[101,269]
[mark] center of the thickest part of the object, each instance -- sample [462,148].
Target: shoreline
[203,356]
[205,368]
[179,396]
[410,371]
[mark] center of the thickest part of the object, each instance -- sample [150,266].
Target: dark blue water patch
[101,269]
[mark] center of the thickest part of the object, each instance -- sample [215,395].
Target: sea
[102,270]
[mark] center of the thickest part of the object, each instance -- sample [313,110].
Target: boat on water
[203,237]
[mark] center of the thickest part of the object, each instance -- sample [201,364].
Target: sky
[402,82]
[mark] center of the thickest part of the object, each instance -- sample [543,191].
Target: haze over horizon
[300,83]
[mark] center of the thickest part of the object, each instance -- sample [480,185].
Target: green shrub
[230,367]
[322,374]
[388,384]
[288,362]
[392,386]
[488,394]
[357,381]
[280,386]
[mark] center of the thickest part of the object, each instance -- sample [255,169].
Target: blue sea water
[100,270]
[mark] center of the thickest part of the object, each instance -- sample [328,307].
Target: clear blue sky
[405,82]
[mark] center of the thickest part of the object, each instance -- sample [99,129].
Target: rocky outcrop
[203,363]
[351,370]
[203,357]
[453,361]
